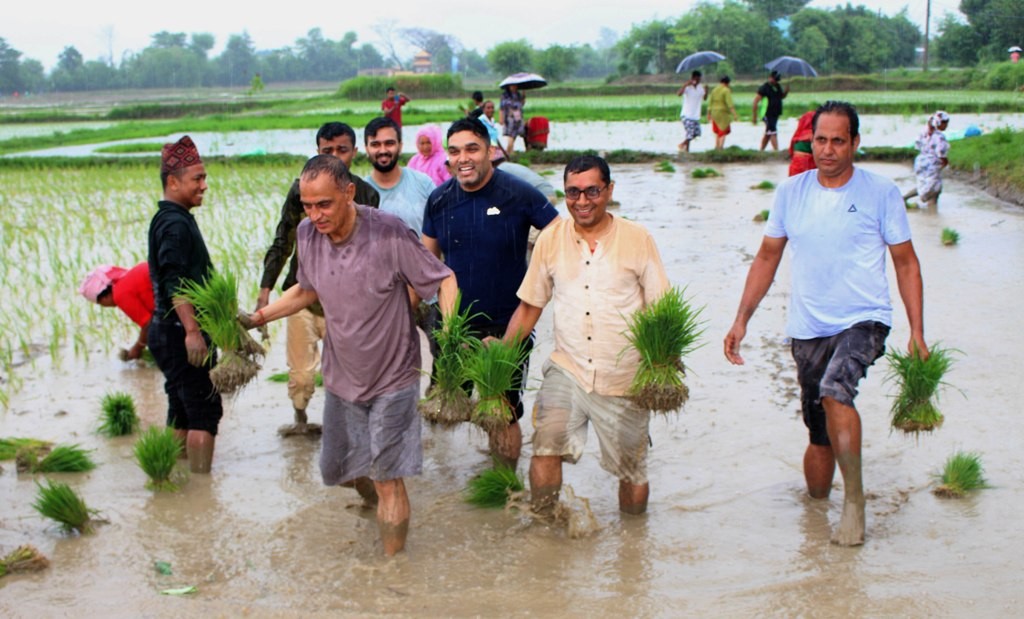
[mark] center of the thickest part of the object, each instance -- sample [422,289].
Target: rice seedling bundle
[665,166]
[704,173]
[447,402]
[282,377]
[58,502]
[157,452]
[9,447]
[663,333]
[117,415]
[765,185]
[23,559]
[950,236]
[962,473]
[60,459]
[216,305]
[913,409]
[493,487]
[492,368]
[762,216]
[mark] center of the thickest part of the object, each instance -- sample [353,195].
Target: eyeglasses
[592,192]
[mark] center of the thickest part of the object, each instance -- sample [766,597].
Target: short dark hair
[164,174]
[775,75]
[470,124]
[696,74]
[725,79]
[838,107]
[379,123]
[582,163]
[477,96]
[388,89]
[329,165]
[331,130]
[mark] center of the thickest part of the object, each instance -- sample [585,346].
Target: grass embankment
[995,159]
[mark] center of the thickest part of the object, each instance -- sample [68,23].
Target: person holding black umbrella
[774,92]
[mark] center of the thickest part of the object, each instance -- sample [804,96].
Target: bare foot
[303,429]
[850,531]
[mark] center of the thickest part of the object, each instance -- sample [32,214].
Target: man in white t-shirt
[693,93]
[839,221]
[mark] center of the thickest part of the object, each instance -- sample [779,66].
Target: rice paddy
[117,415]
[914,407]
[58,502]
[156,453]
[961,474]
[663,333]
[57,223]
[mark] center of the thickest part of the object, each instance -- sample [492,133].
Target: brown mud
[729,529]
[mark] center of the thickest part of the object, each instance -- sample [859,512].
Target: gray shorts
[831,367]
[692,128]
[563,411]
[379,439]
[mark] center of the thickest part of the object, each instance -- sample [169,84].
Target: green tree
[472,63]
[997,24]
[68,75]
[556,63]
[510,57]
[813,46]
[166,40]
[593,62]
[645,49]
[957,44]
[237,63]
[11,79]
[732,29]
[201,43]
[33,77]
[774,9]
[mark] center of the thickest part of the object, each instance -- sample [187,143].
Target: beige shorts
[563,411]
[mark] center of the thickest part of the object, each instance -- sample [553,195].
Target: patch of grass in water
[961,474]
[665,166]
[157,452]
[950,236]
[117,415]
[492,487]
[765,185]
[705,173]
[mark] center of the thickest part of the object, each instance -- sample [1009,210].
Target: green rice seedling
[492,487]
[961,474]
[913,409]
[282,377]
[663,333]
[9,447]
[216,304]
[665,166]
[23,559]
[492,368]
[447,402]
[58,502]
[950,236]
[157,452]
[764,185]
[60,459]
[117,415]
[762,216]
[910,205]
[705,173]
[559,194]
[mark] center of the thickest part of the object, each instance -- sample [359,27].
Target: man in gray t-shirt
[360,263]
[403,191]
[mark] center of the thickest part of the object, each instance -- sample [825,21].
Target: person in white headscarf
[928,165]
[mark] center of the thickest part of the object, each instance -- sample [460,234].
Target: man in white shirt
[693,93]
[839,221]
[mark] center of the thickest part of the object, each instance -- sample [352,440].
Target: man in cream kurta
[598,270]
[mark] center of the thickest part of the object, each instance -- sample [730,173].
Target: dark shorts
[192,402]
[831,367]
[771,125]
[515,396]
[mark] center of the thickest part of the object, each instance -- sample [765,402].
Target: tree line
[844,39]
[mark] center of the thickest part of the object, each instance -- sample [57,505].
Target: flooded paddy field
[729,529]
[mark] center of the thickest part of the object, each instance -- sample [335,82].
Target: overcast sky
[41,29]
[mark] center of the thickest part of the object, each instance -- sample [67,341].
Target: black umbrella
[525,81]
[791,65]
[698,59]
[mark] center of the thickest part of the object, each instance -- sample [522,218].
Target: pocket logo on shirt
[493,211]
[852,209]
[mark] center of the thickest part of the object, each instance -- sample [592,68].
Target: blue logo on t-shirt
[852,209]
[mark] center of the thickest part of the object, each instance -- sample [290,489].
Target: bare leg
[511,143]
[764,141]
[819,469]
[301,425]
[392,514]
[506,445]
[200,445]
[910,194]
[775,142]
[366,489]
[545,482]
[844,432]
[182,436]
[633,497]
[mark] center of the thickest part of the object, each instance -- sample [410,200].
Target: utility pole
[927,26]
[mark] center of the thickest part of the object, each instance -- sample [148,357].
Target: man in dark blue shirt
[177,253]
[479,221]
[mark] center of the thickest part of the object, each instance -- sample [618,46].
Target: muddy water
[654,136]
[729,529]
